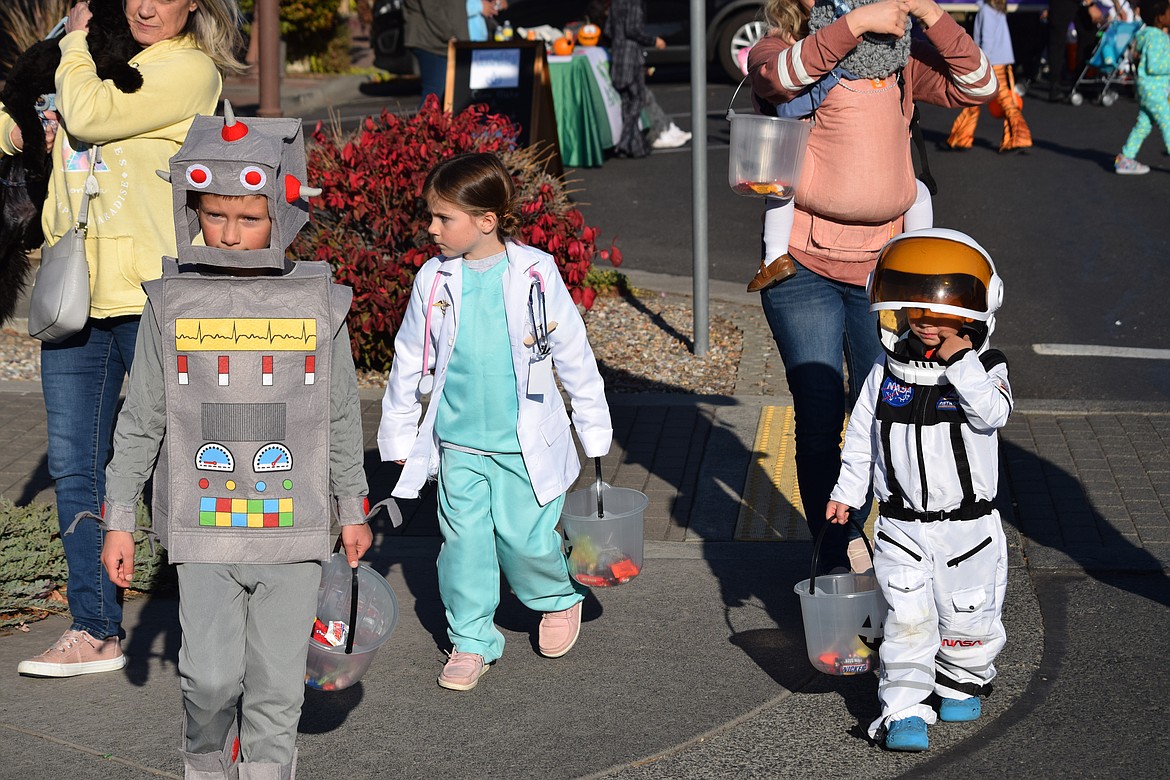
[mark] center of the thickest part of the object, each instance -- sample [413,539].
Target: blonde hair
[787,17]
[215,26]
[476,183]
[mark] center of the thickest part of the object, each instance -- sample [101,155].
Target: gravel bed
[20,357]
[642,342]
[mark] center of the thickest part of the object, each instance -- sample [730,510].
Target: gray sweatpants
[245,639]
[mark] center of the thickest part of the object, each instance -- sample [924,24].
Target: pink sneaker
[76,652]
[462,671]
[559,630]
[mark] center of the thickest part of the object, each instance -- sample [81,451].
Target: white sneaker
[670,138]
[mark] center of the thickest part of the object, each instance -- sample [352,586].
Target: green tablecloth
[582,124]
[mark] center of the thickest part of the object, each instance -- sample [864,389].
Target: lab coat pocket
[554,427]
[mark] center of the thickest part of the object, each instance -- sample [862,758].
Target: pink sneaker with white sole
[559,631]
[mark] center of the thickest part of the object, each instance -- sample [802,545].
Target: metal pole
[699,172]
[267,18]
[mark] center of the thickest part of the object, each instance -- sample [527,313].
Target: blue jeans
[81,378]
[819,325]
[432,71]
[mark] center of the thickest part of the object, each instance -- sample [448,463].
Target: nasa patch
[948,402]
[895,393]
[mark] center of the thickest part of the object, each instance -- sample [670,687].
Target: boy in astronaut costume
[924,433]
[246,381]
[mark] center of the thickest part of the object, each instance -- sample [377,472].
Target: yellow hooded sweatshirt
[131,220]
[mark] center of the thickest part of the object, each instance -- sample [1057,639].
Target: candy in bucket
[843,616]
[356,613]
[766,153]
[603,533]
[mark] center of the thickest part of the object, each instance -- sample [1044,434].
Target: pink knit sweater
[858,177]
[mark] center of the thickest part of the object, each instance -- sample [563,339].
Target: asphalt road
[1082,250]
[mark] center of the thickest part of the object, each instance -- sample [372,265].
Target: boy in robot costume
[247,384]
[924,434]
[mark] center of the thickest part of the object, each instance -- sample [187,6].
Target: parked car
[731,26]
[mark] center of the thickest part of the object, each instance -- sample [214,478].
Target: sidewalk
[700,658]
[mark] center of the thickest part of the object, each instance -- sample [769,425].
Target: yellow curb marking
[771,509]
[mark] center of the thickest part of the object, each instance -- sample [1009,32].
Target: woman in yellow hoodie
[186,46]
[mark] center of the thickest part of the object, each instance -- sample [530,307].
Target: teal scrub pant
[491,522]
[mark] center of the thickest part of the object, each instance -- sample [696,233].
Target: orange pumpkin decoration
[563,46]
[589,35]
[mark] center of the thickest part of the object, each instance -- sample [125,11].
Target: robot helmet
[230,156]
[938,269]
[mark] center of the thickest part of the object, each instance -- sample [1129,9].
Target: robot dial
[272,457]
[214,457]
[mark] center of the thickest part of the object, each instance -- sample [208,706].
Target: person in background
[430,25]
[478,14]
[992,36]
[856,185]
[187,42]
[1152,45]
[1061,13]
[626,33]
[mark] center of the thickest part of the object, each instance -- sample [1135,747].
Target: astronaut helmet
[941,270]
[232,156]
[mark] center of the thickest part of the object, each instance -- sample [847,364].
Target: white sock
[778,216]
[921,214]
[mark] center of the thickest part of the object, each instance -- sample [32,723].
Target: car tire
[738,31]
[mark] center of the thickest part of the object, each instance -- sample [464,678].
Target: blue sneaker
[907,734]
[960,710]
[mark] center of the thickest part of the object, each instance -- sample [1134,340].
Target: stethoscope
[540,328]
[536,308]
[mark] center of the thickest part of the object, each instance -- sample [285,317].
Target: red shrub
[372,227]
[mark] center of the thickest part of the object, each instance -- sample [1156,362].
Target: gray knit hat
[876,56]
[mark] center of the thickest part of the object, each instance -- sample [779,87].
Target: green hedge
[32,562]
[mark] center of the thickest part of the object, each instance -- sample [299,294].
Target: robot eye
[253,178]
[198,176]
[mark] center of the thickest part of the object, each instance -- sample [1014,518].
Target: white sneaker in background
[670,138]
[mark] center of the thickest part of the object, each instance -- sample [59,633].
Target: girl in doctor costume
[487,320]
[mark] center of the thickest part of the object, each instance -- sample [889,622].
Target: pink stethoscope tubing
[427,382]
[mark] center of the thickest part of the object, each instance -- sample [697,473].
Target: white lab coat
[543,424]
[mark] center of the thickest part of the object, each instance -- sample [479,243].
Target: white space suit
[923,433]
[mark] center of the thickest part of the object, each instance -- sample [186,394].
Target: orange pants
[1016,134]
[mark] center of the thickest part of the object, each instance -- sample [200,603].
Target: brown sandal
[772,273]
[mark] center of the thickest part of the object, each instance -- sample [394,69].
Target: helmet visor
[929,272]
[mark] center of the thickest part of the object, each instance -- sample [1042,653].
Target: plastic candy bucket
[370,623]
[767,154]
[843,618]
[603,533]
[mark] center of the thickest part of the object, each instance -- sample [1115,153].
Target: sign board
[511,77]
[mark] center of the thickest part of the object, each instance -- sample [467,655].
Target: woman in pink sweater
[856,184]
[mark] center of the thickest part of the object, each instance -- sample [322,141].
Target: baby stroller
[1110,65]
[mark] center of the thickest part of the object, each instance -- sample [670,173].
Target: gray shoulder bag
[59,306]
